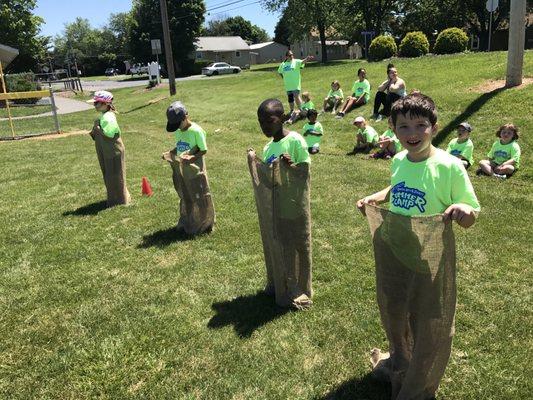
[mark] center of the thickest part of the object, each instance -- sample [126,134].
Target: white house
[266,52]
[336,49]
[231,49]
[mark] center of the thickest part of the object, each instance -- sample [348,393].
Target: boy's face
[415,134]
[335,86]
[312,118]
[270,123]
[183,124]
[362,75]
[360,125]
[506,136]
[462,134]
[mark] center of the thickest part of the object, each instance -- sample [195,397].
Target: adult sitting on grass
[360,94]
[292,78]
[388,92]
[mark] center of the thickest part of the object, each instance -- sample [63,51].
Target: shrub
[382,47]
[414,44]
[193,67]
[451,40]
[23,82]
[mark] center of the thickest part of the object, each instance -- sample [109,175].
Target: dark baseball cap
[176,113]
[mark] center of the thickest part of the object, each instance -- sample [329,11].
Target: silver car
[220,68]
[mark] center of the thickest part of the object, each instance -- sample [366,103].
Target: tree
[185,21]
[19,28]
[236,26]
[282,32]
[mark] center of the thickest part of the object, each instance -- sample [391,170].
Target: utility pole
[515,54]
[168,48]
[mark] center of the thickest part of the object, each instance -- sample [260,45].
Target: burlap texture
[283,206]
[416,293]
[197,212]
[110,153]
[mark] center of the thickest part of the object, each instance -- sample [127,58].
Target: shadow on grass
[89,209]
[246,313]
[365,388]
[164,237]
[470,110]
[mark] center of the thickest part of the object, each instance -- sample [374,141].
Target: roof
[7,54]
[334,42]
[264,44]
[221,43]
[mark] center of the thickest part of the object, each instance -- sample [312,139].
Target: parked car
[138,69]
[111,72]
[220,68]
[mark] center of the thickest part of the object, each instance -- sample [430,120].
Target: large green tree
[282,31]
[19,28]
[236,26]
[185,21]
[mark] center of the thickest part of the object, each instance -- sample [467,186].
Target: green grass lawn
[110,304]
[22,111]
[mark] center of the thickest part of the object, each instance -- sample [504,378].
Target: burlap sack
[197,213]
[416,293]
[282,200]
[110,153]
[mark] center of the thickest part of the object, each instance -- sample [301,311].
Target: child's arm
[193,157]
[308,58]
[377,198]
[312,132]
[463,214]
[384,86]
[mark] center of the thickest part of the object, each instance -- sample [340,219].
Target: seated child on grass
[388,144]
[312,132]
[367,137]
[306,106]
[334,98]
[462,146]
[360,94]
[504,156]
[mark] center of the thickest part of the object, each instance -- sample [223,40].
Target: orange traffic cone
[146,188]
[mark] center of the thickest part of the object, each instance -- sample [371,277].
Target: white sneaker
[499,176]
[379,118]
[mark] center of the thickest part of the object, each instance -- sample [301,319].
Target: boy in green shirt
[312,132]
[462,147]
[504,156]
[416,299]
[366,139]
[306,106]
[360,94]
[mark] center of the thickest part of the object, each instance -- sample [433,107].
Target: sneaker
[499,176]
[374,116]
[333,112]
[479,172]
[379,118]
[340,115]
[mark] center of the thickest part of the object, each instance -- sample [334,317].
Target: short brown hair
[417,104]
[511,127]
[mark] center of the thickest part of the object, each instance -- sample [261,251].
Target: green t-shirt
[308,105]
[359,88]
[291,74]
[293,144]
[500,153]
[390,134]
[109,124]
[333,93]
[429,187]
[369,134]
[464,149]
[313,139]
[189,139]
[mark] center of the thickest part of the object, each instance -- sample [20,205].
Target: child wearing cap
[367,137]
[312,131]
[197,214]
[110,149]
[504,155]
[462,146]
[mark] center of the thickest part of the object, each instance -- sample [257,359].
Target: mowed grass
[110,304]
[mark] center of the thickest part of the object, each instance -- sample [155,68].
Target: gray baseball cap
[176,113]
[466,125]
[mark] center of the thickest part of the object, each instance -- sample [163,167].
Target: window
[199,54]
[237,54]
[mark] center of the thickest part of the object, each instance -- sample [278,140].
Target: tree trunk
[322,33]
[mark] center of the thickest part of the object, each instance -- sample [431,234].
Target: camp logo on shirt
[359,90]
[501,154]
[455,152]
[270,159]
[406,197]
[183,146]
[288,67]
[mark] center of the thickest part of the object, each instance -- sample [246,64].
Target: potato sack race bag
[416,294]
[197,213]
[282,199]
[110,153]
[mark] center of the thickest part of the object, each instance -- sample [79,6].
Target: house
[231,49]
[336,49]
[266,52]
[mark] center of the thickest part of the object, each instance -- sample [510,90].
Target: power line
[236,8]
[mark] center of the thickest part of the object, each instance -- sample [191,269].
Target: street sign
[370,33]
[491,5]
[156,46]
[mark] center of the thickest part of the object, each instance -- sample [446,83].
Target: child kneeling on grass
[462,146]
[504,156]
[414,249]
[312,131]
[366,138]
[281,184]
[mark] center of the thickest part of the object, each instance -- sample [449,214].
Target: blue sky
[57,13]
